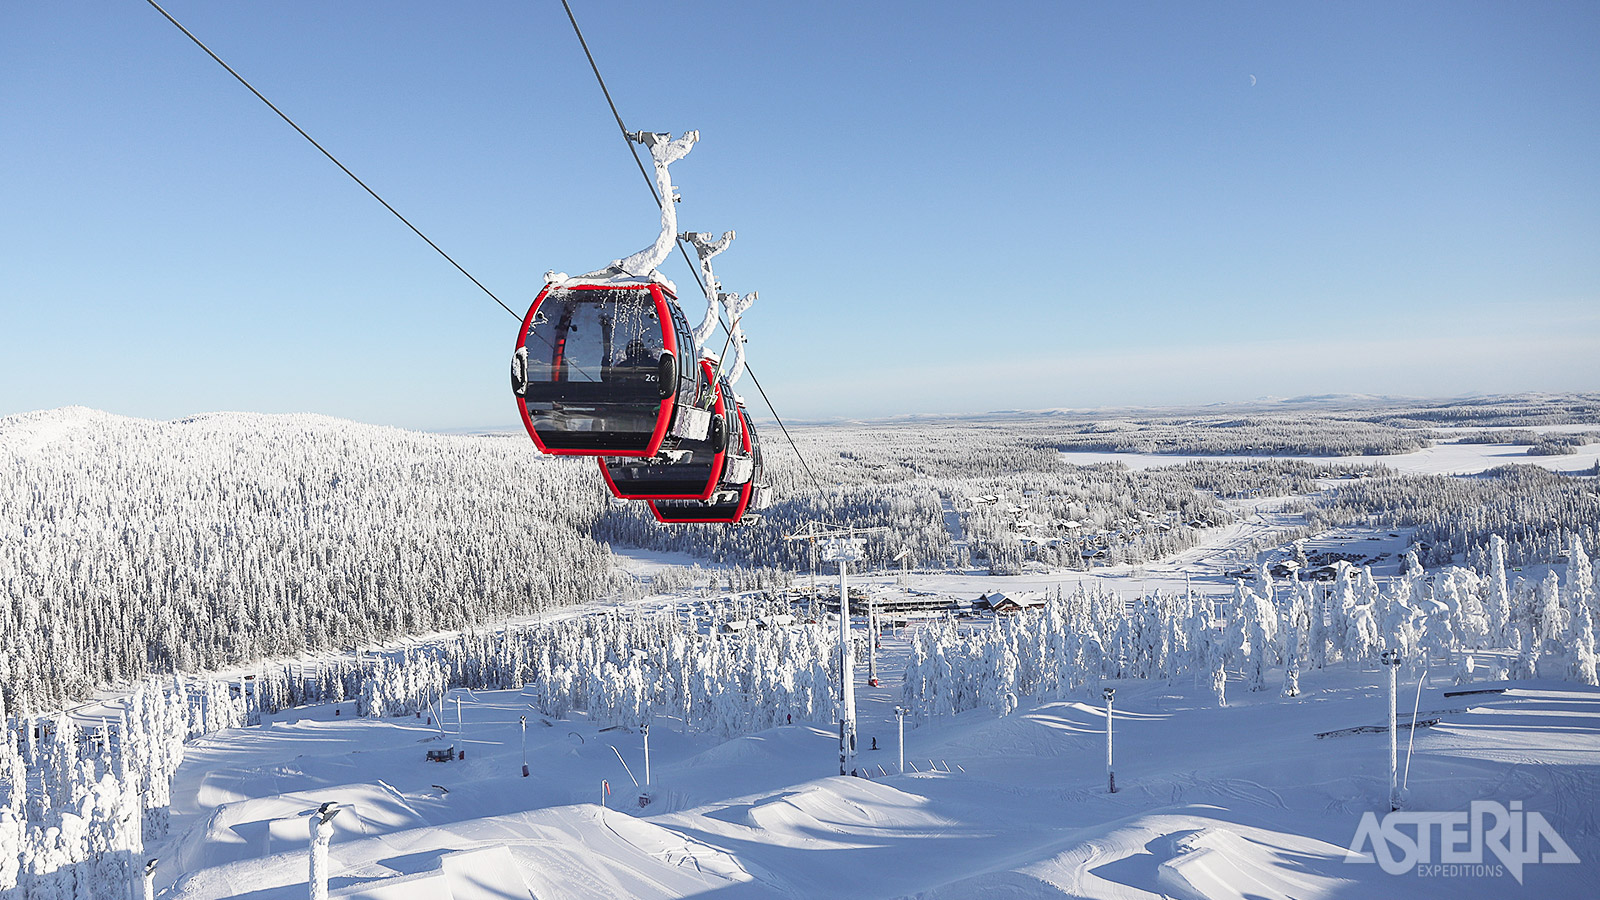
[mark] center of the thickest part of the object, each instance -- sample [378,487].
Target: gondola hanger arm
[664,151]
[706,247]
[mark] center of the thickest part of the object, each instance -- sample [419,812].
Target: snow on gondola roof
[610,276]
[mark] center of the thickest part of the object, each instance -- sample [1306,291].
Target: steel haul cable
[330,156]
[437,249]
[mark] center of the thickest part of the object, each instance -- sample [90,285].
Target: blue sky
[946,207]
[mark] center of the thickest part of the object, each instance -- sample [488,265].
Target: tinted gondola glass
[601,369]
[690,471]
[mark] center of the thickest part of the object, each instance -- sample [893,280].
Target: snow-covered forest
[1521,410]
[1455,624]
[910,480]
[1311,427]
[629,670]
[77,803]
[1003,479]
[130,547]
[1315,435]
[1536,512]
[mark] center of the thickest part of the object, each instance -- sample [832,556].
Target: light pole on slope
[1111,775]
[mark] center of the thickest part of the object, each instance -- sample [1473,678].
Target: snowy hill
[1242,801]
[129,546]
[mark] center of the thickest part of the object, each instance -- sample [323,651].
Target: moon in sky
[1252,81]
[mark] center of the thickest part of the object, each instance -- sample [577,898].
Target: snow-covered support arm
[663,151]
[706,248]
[736,305]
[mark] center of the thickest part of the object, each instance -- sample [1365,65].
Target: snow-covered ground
[1239,801]
[1201,568]
[1234,802]
[1443,458]
[1242,801]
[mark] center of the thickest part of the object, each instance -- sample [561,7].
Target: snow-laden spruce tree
[1550,616]
[1582,666]
[1317,631]
[11,840]
[1002,669]
[1297,621]
[13,789]
[1580,580]
[1526,606]
[1258,628]
[1218,646]
[1400,612]
[1498,603]
[1463,590]
[1176,637]
[1365,640]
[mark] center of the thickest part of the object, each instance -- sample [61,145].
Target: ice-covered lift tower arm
[736,305]
[663,151]
[706,248]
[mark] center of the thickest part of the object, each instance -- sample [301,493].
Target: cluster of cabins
[1318,566]
[899,607]
[892,607]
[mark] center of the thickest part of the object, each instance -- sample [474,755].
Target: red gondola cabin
[600,370]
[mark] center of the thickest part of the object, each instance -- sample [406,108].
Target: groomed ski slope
[1235,802]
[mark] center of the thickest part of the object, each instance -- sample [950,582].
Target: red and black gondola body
[600,370]
[732,501]
[691,471]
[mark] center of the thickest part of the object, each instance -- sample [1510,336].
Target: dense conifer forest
[130,547]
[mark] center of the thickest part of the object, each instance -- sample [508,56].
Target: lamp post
[872,640]
[844,552]
[1111,775]
[524,746]
[1391,661]
[645,728]
[900,718]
